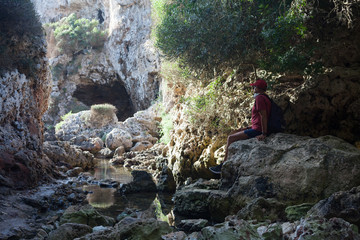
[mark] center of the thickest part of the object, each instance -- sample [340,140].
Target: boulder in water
[142,182]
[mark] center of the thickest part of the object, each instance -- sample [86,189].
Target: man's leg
[233,138]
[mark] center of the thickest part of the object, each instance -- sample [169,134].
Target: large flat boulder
[291,168]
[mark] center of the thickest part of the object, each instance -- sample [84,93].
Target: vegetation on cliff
[273,35]
[74,34]
[18,20]
[207,35]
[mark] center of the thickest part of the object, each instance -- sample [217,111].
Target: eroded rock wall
[327,103]
[24,92]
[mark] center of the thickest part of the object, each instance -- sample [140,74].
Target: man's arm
[264,121]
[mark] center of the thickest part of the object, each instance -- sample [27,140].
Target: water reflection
[100,197]
[111,203]
[104,197]
[104,170]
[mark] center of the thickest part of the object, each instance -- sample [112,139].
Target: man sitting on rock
[259,121]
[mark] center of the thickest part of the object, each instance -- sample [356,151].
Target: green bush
[212,35]
[74,34]
[288,46]
[63,118]
[19,17]
[222,106]
[205,34]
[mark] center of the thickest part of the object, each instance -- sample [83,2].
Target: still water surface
[111,203]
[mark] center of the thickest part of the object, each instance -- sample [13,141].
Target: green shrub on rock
[74,34]
[63,118]
[165,126]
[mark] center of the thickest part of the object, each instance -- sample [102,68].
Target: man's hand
[261,137]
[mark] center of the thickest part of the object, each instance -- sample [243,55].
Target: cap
[260,83]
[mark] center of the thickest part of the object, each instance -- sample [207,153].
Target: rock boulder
[64,153]
[117,138]
[69,231]
[291,168]
[344,204]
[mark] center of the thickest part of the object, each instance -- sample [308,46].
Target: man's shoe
[216,169]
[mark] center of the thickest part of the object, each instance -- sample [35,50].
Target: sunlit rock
[118,137]
[63,153]
[119,151]
[140,146]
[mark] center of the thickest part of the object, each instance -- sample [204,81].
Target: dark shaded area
[114,94]
[100,16]
[343,204]
[19,28]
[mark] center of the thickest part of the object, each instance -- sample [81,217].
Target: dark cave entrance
[114,94]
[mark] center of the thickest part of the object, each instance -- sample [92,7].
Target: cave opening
[114,94]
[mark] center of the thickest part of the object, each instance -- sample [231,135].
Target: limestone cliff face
[24,92]
[128,62]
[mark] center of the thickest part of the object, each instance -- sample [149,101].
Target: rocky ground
[286,187]
[34,213]
[59,211]
[203,209]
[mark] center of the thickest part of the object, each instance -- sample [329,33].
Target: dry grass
[104,110]
[101,115]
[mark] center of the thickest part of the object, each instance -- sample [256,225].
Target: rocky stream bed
[137,202]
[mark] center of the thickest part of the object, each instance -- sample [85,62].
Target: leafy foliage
[207,35]
[18,17]
[224,105]
[74,34]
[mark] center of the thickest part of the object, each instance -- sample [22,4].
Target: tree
[206,35]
